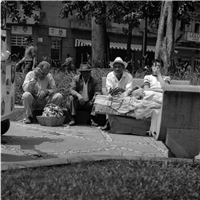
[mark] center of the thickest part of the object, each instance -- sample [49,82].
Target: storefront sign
[22,30]
[193,37]
[57,32]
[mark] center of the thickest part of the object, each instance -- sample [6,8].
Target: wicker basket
[51,121]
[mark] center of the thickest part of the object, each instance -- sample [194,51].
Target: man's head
[156,65]
[28,40]
[42,70]
[85,70]
[118,65]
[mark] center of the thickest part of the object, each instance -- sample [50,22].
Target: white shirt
[84,93]
[113,82]
[47,83]
[153,81]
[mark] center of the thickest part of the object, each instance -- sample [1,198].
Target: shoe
[92,123]
[29,120]
[106,127]
[72,123]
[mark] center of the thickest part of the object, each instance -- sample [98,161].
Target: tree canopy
[11,9]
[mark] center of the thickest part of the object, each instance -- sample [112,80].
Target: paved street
[32,145]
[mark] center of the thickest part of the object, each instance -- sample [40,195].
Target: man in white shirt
[83,90]
[118,80]
[39,89]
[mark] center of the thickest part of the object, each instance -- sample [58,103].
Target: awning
[113,45]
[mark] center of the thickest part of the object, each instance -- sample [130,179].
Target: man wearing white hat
[117,80]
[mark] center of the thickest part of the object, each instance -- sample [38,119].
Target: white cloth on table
[153,81]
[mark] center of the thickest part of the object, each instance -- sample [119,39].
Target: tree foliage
[171,13]
[10,9]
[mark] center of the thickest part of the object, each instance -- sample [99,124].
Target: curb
[86,158]
[18,113]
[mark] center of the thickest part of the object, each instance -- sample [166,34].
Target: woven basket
[51,121]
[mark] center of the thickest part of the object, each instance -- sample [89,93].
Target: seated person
[39,89]
[83,90]
[154,83]
[156,80]
[117,81]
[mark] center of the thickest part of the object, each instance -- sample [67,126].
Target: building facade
[55,37]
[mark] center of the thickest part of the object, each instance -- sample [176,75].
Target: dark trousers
[74,105]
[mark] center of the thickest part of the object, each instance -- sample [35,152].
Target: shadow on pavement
[25,147]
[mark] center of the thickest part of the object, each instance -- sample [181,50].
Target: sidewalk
[34,145]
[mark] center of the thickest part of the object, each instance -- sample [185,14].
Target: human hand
[41,95]
[157,72]
[37,72]
[116,90]
[81,100]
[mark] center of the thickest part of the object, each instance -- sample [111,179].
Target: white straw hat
[118,60]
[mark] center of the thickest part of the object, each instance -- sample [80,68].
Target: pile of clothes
[135,103]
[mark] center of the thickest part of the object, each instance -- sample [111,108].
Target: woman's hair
[157,61]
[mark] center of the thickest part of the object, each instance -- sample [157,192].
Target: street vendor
[117,81]
[39,89]
[84,88]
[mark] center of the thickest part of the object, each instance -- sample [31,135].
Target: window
[17,40]
[55,48]
[18,45]
[197,28]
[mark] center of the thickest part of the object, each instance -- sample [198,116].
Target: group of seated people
[40,88]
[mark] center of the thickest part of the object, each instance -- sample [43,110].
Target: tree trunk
[98,45]
[128,54]
[165,39]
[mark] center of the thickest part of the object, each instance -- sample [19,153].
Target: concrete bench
[121,124]
[177,123]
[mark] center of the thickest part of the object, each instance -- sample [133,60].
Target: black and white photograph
[102,100]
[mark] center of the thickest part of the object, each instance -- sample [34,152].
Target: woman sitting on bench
[156,81]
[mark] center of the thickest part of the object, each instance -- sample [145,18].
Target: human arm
[21,61]
[74,89]
[147,85]
[29,82]
[162,79]
[51,86]
[109,82]
[152,83]
[97,89]
[33,52]
[34,61]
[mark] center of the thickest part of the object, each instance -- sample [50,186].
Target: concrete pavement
[32,145]
[35,145]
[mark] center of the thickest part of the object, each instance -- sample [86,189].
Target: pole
[144,43]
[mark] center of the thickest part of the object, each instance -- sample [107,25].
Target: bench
[121,124]
[177,123]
